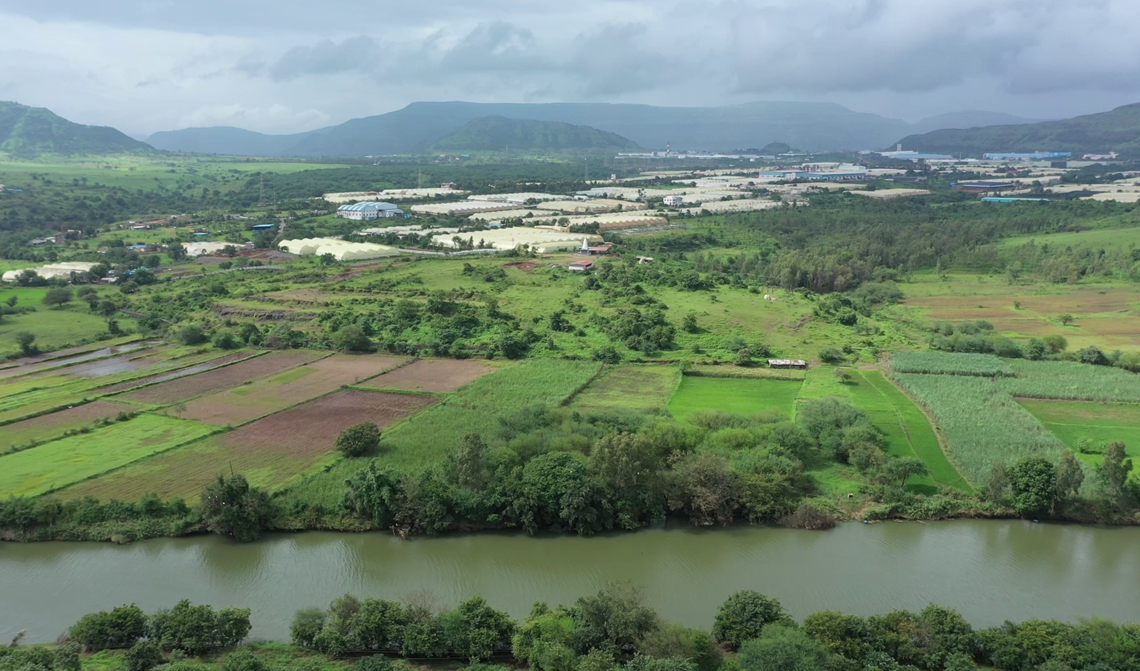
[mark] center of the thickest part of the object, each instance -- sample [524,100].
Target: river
[989,570]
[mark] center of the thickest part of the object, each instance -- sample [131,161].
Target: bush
[143,656]
[830,355]
[190,335]
[352,339]
[224,339]
[117,628]
[744,615]
[232,508]
[358,440]
[784,648]
[196,629]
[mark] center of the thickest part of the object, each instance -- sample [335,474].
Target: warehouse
[462,208]
[589,206]
[340,250]
[516,198]
[369,210]
[543,241]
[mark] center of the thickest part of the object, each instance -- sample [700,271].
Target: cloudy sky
[293,65]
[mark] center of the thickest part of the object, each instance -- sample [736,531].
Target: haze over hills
[419,126]
[497,132]
[1116,130]
[30,131]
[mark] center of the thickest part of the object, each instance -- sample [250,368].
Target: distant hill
[497,132]
[1117,130]
[968,119]
[30,131]
[419,126]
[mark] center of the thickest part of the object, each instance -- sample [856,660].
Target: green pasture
[69,460]
[640,388]
[55,328]
[1099,422]
[1098,237]
[736,395]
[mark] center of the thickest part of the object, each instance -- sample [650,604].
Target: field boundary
[933,424]
[582,387]
[765,374]
[406,392]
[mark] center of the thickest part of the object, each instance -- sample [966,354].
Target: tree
[232,508]
[191,334]
[1033,481]
[196,629]
[26,342]
[898,471]
[469,465]
[1092,356]
[224,339]
[830,355]
[1055,344]
[307,624]
[689,323]
[143,656]
[57,296]
[744,615]
[1065,319]
[783,648]
[616,618]
[177,251]
[480,630]
[374,495]
[1113,476]
[352,338]
[359,439]
[118,628]
[1069,479]
[674,641]
[1035,349]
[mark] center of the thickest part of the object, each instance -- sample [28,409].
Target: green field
[1102,237]
[981,423]
[741,396]
[69,460]
[1099,422]
[1071,380]
[950,363]
[640,388]
[55,328]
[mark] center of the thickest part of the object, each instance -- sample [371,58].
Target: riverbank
[990,571]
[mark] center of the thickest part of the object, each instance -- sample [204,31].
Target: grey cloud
[611,61]
[496,46]
[356,54]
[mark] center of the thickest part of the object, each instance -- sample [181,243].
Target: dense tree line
[612,630]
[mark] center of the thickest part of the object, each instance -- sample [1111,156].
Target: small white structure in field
[770,298]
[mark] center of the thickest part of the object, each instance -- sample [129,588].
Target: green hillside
[497,132]
[1117,130]
[31,131]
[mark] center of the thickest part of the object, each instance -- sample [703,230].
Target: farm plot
[735,395]
[176,391]
[949,363]
[192,369]
[247,402]
[1071,380]
[435,375]
[1099,422]
[271,452]
[427,438]
[69,460]
[981,423]
[639,388]
[47,427]
[70,356]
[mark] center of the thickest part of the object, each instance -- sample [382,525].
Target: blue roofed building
[372,209]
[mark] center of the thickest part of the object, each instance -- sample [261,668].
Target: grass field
[1099,237]
[1100,422]
[735,395]
[427,438]
[981,423]
[431,375]
[640,388]
[1071,380]
[54,328]
[271,452]
[69,460]
[47,427]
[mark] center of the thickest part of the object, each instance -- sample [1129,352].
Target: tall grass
[950,363]
[982,424]
[1072,381]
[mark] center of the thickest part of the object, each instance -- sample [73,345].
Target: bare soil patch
[175,391]
[525,266]
[201,367]
[272,452]
[46,427]
[246,402]
[436,375]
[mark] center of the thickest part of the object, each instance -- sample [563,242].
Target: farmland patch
[949,363]
[1071,380]
[47,427]
[179,390]
[69,460]
[271,452]
[247,402]
[740,396]
[640,388]
[1099,422]
[436,375]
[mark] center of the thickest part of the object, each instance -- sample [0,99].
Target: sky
[290,66]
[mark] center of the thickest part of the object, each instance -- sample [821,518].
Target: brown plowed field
[438,375]
[201,367]
[175,391]
[247,402]
[271,452]
[45,427]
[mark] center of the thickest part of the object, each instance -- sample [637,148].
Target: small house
[581,266]
[788,363]
[673,201]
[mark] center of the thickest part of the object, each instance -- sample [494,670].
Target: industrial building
[1033,156]
[543,241]
[340,250]
[391,194]
[742,205]
[207,248]
[462,208]
[53,270]
[368,210]
[516,198]
[587,206]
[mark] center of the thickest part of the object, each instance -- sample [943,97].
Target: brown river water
[990,571]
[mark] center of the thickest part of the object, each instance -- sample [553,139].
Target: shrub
[232,508]
[143,656]
[358,440]
[744,615]
[785,648]
[831,355]
[191,335]
[352,339]
[118,628]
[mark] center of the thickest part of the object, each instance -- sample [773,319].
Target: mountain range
[420,126]
[1116,130]
[30,131]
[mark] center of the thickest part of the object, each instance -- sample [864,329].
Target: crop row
[982,424]
[1070,380]
[950,363]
